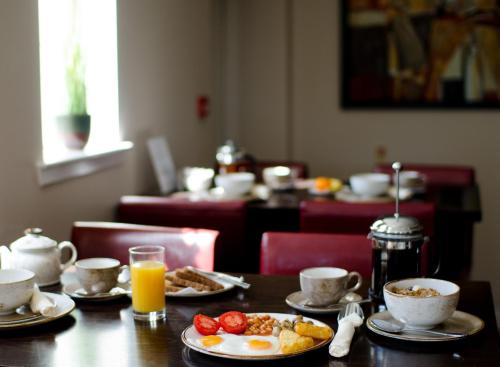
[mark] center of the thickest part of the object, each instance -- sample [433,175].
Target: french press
[396,247]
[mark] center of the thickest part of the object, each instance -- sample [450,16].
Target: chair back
[287,253]
[438,175]
[183,246]
[226,217]
[356,218]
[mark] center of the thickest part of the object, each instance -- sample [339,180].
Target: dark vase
[75,130]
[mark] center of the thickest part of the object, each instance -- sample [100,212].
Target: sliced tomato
[233,322]
[205,324]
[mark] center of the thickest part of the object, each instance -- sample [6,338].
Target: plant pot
[75,130]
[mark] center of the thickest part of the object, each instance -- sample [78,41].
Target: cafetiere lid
[397,227]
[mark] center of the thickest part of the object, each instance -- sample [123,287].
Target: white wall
[164,63]
[336,142]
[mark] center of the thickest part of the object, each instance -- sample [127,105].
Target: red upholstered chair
[438,175]
[227,217]
[300,168]
[356,218]
[183,246]
[287,253]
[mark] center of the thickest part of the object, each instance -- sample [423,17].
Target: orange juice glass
[147,270]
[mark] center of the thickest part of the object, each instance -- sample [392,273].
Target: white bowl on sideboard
[370,184]
[235,184]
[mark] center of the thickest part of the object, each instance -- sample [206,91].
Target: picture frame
[392,60]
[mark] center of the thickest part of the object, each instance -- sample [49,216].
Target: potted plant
[74,126]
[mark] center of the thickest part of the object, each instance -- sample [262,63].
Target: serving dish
[190,337]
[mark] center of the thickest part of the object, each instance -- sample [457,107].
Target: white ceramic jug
[39,254]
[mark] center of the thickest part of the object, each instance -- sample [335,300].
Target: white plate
[350,197]
[64,305]
[461,322]
[227,286]
[214,194]
[192,293]
[315,191]
[190,335]
[73,288]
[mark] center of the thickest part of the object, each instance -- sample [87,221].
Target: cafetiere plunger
[396,247]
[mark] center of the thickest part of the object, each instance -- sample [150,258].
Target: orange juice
[148,286]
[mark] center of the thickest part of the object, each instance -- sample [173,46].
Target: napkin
[40,303]
[341,343]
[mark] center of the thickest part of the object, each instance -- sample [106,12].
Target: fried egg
[253,345]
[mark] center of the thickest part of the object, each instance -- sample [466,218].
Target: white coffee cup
[16,289]
[97,274]
[326,285]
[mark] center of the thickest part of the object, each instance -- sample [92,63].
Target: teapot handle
[5,258]
[74,253]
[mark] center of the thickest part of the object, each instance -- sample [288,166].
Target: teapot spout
[5,258]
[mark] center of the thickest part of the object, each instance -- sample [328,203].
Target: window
[92,25]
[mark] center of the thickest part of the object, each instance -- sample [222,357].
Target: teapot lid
[397,227]
[33,240]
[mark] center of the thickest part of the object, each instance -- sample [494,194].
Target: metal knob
[33,231]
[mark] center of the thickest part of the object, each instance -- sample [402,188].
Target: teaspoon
[395,326]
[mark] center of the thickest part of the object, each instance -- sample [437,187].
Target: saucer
[24,317]
[347,195]
[459,321]
[298,301]
[73,290]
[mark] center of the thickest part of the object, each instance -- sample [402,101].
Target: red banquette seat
[356,218]
[183,246]
[226,217]
[287,253]
[438,175]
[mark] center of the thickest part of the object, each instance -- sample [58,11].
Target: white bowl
[279,177]
[422,312]
[370,184]
[235,184]
[410,179]
[197,179]
[16,289]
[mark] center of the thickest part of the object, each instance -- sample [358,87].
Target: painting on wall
[420,53]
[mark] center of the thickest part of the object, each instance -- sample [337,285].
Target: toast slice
[193,276]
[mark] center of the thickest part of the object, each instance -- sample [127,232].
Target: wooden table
[105,334]
[457,210]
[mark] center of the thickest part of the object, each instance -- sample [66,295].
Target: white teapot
[39,254]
